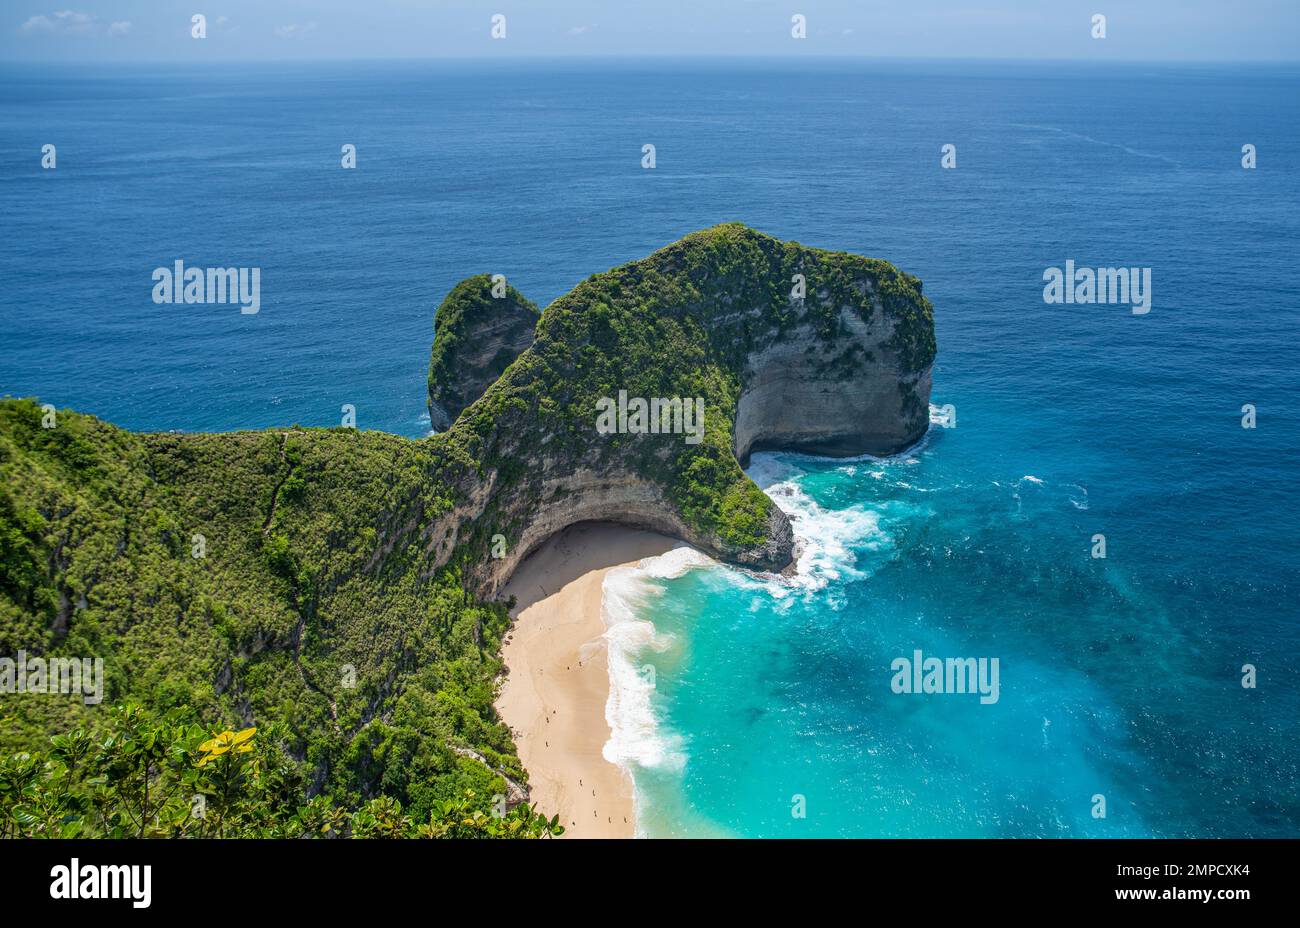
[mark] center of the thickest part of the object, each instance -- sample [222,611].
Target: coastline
[554,693]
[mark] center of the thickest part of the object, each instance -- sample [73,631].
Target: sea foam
[825,544]
[826,540]
[635,734]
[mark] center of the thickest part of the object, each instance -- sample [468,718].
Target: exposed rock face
[796,399]
[581,495]
[475,337]
[844,369]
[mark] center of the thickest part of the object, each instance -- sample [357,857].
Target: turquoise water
[1112,680]
[1119,677]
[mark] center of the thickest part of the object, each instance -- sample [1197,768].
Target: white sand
[554,696]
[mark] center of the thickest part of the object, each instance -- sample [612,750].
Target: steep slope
[253,577]
[475,337]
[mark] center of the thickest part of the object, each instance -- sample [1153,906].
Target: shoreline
[556,687]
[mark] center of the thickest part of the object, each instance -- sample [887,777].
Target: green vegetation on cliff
[682,323]
[167,777]
[481,326]
[383,679]
[326,585]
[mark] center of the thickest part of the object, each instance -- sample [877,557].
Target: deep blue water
[1119,676]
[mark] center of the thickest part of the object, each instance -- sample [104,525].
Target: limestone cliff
[334,580]
[788,347]
[475,337]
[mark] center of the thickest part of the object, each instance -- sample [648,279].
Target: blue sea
[771,711]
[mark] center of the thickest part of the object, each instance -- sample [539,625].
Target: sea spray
[826,539]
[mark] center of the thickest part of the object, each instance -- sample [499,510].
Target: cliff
[339,583]
[787,347]
[476,335]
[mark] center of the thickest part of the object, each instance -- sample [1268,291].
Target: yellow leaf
[243,736]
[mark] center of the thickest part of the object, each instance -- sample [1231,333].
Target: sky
[275,30]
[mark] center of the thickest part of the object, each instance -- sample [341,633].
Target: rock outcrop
[332,554]
[795,397]
[476,336]
[787,346]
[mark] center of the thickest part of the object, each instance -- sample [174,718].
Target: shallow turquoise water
[770,690]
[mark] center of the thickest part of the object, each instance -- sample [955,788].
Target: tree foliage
[162,776]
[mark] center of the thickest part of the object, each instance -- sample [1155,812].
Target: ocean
[750,705]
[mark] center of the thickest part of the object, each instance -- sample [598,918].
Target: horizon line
[663,56]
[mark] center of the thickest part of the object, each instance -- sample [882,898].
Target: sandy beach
[554,696]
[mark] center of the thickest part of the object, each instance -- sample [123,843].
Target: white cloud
[36,24]
[293,29]
[71,22]
[579,30]
[75,22]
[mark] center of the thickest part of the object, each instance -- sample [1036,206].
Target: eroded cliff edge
[788,347]
[339,582]
[480,328]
